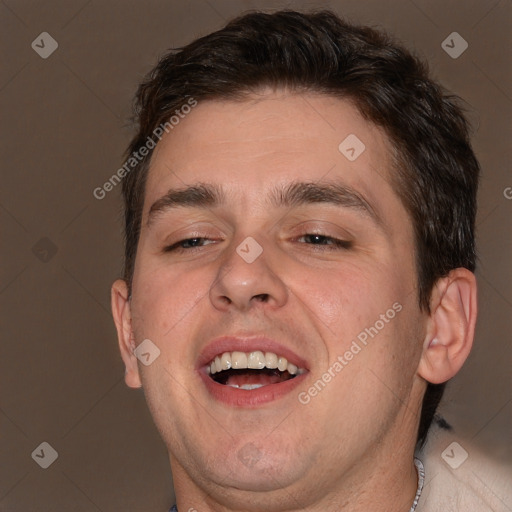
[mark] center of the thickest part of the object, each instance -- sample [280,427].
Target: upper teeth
[254,360]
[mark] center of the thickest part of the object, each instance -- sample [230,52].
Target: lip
[247,344]
[250,398]
[242,397]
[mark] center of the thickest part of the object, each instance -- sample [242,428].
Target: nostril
[262,297]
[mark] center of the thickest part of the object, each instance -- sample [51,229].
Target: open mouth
[251,370]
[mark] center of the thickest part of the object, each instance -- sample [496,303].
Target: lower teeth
[248,387]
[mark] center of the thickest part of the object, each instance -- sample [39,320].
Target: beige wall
[64,129]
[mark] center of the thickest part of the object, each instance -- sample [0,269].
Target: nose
[242,283]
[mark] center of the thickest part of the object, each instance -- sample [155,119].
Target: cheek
[163,298]
[356,309]
[349,296]
[394,353]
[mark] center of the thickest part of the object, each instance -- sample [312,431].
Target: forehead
[271,139]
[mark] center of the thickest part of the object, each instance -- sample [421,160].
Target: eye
[325,241]
[188,244]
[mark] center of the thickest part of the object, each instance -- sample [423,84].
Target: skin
[351,447]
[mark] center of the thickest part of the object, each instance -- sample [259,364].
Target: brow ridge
[292,195]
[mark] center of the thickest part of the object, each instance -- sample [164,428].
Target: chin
[260,468]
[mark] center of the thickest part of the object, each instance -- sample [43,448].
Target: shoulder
[459,477]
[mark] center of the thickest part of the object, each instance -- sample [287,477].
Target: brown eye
[187,244]
[326,241]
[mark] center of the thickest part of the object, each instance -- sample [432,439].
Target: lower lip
[250,398]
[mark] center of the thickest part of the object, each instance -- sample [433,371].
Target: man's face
[305,297]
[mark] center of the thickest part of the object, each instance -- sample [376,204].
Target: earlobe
[121,312]
[451,326]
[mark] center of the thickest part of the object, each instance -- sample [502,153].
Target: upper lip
[245,343]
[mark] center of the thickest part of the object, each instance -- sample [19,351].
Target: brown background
[65,125]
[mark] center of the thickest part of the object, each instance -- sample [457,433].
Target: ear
[451,326]
[121,312]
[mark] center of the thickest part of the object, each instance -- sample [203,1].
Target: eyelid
[175,246]
[322,228]
[189,230]
[337,243]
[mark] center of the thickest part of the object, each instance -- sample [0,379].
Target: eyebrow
[202,195]
[292,195]
[334,193]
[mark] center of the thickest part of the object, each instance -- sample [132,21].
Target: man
[299,266]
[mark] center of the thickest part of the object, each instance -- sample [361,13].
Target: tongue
[253,378]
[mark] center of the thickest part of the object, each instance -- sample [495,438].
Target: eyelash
[336,243]
[176,246]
